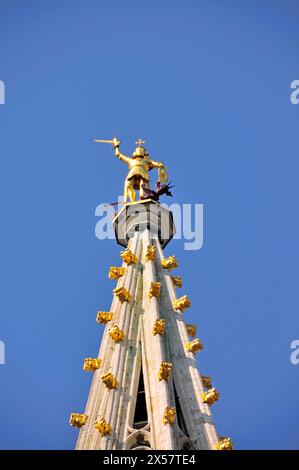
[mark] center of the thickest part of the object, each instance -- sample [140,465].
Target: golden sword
[114,141]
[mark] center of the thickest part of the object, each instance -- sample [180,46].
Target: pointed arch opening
[140,419]
[179,412]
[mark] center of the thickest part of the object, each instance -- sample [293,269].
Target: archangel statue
[140,164]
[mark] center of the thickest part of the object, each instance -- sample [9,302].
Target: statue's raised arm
[117,152]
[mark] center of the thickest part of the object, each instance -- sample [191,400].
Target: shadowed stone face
[135,217]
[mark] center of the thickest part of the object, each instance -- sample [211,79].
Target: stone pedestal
[141,215]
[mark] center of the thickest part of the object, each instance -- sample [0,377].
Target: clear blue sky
[207,84]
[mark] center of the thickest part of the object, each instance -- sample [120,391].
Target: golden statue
[139,165]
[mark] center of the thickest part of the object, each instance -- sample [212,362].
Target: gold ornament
[224,443]
[194,346]
[169,263]
[128,257]
[104,317]
[122,294]
[78,419]
[115,272]
[169,415]
[91,364]
[159,327]
[210,396]
[177,281]
[103,427]
[182,303]
[207,381]
[191,330]
[150,253]
[164,371]
[116,334]
[155,289]
[109,380]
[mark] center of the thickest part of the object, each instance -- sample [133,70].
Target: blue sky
[207,84]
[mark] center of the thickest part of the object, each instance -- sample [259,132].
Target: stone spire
[147,392]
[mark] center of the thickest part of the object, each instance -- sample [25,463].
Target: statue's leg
[132,193]
[129,190]
[126,192]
